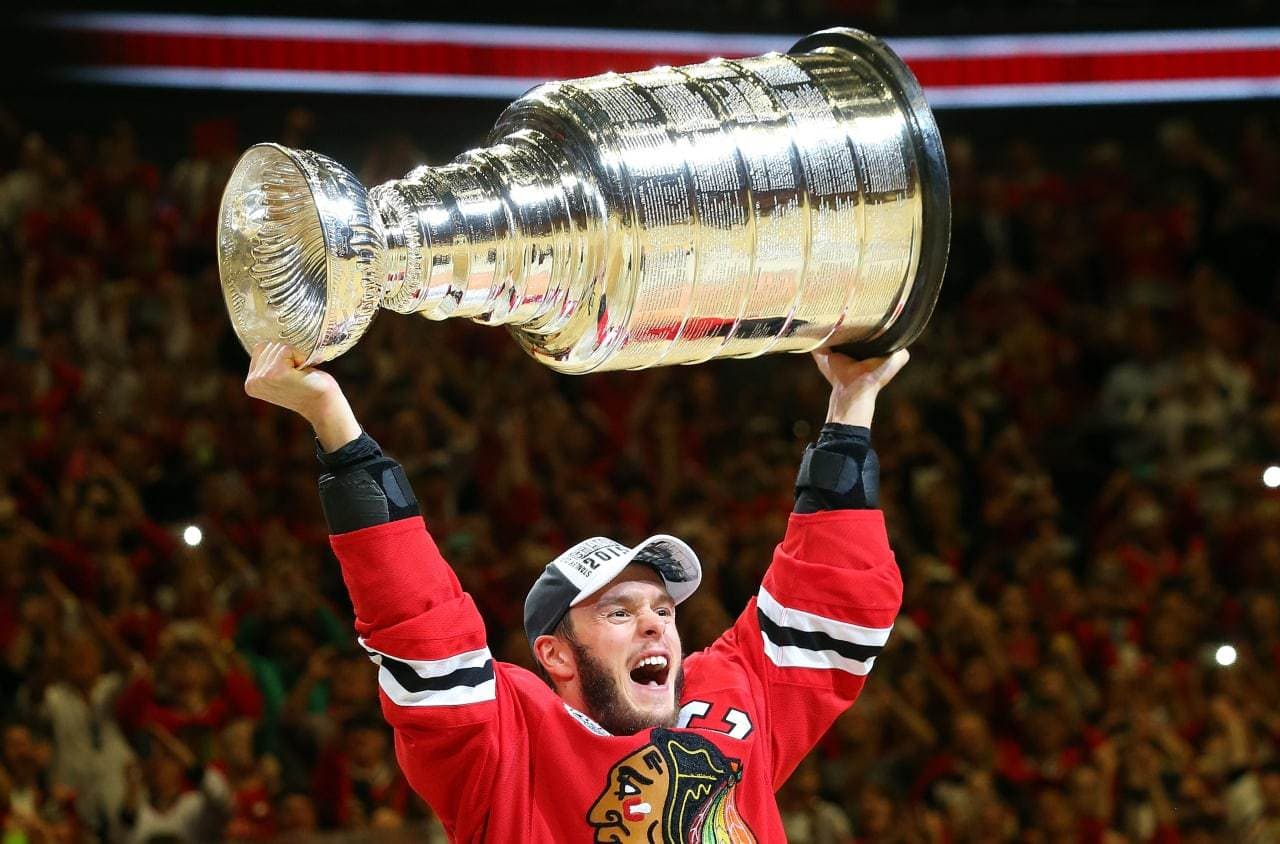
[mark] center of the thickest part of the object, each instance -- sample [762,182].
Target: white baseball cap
[587,567]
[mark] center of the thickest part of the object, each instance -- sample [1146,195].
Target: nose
[652,624]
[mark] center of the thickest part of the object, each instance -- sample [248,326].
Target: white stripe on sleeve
[457,680]
[790,656]
[810,623]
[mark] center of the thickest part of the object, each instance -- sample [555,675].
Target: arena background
[1075,463]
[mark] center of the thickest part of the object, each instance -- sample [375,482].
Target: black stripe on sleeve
[411,681]
[813,641]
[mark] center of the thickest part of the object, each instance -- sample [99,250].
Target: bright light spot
[192,535]
[1225,655]
[1271,476]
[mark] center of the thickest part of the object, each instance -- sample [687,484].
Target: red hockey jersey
[501,758]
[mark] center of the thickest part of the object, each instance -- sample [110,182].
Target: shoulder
[521,678]
[525,686]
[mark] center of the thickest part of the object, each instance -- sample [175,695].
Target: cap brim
[671,558]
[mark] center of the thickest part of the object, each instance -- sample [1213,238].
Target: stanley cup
[726,209]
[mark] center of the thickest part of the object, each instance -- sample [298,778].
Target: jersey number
[735,723]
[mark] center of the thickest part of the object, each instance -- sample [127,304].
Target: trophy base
[908,320]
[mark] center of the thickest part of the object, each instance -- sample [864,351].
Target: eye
[619,614]
[667,612]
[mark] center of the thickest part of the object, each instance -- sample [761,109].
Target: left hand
[856,383]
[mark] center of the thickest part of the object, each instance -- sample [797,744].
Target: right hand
[276,375]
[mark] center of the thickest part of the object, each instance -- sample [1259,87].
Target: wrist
[320,404]
[334,421]
[851,410]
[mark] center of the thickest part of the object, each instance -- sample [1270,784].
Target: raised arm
[435,674]
[828,601]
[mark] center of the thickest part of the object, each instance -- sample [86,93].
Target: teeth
[659,661]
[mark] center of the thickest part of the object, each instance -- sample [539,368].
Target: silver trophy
[724,209]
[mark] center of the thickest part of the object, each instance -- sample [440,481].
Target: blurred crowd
[1071,468]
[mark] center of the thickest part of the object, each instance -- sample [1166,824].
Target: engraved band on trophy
[726,209]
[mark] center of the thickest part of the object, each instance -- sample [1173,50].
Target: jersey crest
[679,788]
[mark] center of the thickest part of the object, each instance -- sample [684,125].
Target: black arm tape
[840,472]
[364,488]
[371,493]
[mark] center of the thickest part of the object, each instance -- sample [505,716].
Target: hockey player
[625,738]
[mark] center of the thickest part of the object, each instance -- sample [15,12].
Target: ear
[556,658]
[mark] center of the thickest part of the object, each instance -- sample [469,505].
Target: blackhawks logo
[679,788]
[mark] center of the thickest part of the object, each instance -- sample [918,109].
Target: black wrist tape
[372,492]
[841,472]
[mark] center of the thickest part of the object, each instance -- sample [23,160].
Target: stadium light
[1271,477]
[192,535]
[1225,655]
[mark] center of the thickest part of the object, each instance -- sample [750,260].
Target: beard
[606,703]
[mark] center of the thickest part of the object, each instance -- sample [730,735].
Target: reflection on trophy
[727,209]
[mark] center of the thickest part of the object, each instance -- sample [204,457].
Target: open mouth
[651,672]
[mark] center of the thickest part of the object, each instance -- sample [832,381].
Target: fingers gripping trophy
[728,209]
[781,203]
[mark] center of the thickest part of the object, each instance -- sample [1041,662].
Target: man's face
[628,653]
